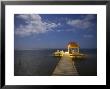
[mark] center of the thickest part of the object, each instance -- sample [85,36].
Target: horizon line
[51,48]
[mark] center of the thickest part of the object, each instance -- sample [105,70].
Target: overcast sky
[34,31]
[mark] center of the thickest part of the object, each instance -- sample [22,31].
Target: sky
[38,31]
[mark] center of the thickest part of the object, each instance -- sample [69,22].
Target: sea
[41,62]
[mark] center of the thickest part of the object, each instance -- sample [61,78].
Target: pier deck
[65,67]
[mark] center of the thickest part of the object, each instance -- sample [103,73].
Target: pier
[65,67]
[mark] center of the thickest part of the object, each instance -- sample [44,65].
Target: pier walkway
[65,67]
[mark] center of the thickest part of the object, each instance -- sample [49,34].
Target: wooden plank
[65,67]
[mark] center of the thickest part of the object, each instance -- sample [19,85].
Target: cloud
[88,36]
[82,23]
[89,17]
[34,25]
[39,39]
[70,30]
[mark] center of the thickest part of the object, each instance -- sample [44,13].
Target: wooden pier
[65,67]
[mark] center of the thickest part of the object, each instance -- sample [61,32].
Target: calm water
[42,63]
[88,66]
